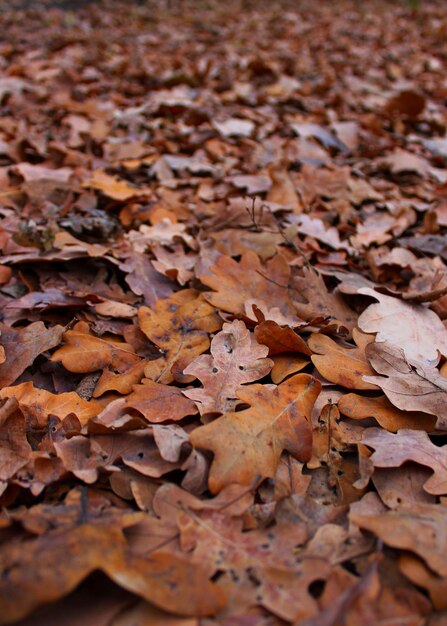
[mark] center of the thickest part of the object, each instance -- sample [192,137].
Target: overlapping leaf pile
[224,296]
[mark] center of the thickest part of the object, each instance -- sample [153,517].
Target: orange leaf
[248,444]
[339,365]
[38,404]
[236,283]
[179,326]
[83,352]
[53,565]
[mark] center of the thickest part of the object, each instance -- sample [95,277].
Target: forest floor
[223,289]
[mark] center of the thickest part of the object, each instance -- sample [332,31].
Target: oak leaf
[15,450]
[282,191]
[22,346]
[409,386]
[179,327]
[280,339]
[122,383]
[419,529]
[236,358]
[339,365]
[248,444]
[84,352]
[285,365]
[234,283]
[358,407]
[159,403]
[113,187]
[65,558]
[38,404]
[312,300]
[418,330]
[392,450]
[144,279]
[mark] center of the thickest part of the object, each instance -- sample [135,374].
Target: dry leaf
[236,358]
[409,386]
[419,331]
[248,444]
[342,366]
[179,327]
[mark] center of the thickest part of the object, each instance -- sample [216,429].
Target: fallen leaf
[409,386]
[248,444]
[392,450]
[419,529]
[159,403]
[38,404]
[280,339]
[84,352]
[22,346]
[114,188]
[179,327]
[358,407]
[339,365]
[95,547]
[420,332]
[236,359]
[234,283]
[15,450]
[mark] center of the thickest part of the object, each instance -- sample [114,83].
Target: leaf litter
[223,345]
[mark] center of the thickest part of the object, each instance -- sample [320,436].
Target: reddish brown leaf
[247,445]
[236,358]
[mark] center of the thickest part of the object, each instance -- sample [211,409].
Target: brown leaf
[419,529]
[179,326]
[313,300]
[23,345]
[410,387]
[392,450]
[420,332]
[342,366]
[280,339]
[84,352]
[283,191]
[65,558]
[15,450]
[113,187]
[159,403]
[144,280]
[122,383]
[236,358]
[285,365]
[234,283]
[248,444]
[358,407]
[406,103]
[38,404]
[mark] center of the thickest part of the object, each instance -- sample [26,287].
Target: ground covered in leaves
[223,342]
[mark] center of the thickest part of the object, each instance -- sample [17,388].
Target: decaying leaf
[413,327]
[343,366]
[234,283]
[89,548]
[358,407]
[84,352]
[179,326]
[22,346]
[247,445]
[392,450]
[419,529]
[409,386]
[39,404]
[223,288]
[236,359]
